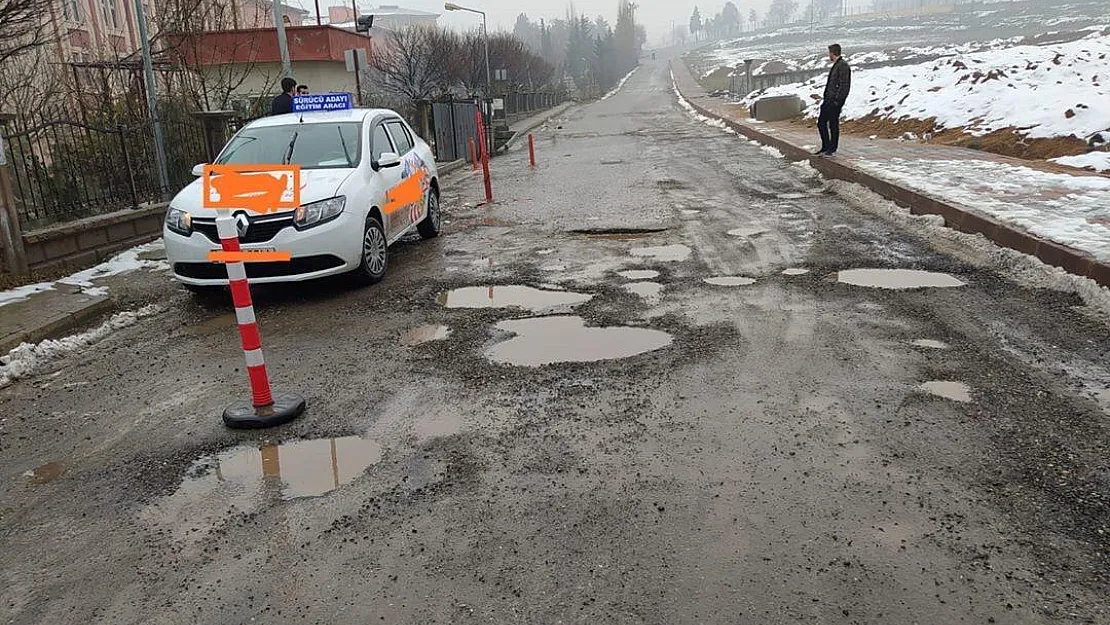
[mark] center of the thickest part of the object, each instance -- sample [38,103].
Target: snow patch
[27,359]
[1098,161]
[620,84]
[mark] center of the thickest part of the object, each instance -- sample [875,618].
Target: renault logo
[242,223]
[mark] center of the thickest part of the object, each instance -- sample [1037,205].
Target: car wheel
[429,227]
[375,253]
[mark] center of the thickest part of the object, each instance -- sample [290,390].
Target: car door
[411,163]
[385,179]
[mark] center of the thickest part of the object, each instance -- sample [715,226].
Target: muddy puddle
[898,279]
[553,268]
[929,344]
[45,473]
[213,325]
[689,212]
[650,291]
[424,334]
[955,391]
[795,271]
[730,281]
[666,253]
[550,340]
[512,296]
[639,274]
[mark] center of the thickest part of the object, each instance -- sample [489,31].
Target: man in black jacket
[836,93]
[283,102]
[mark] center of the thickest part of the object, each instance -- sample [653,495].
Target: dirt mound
[1004,141]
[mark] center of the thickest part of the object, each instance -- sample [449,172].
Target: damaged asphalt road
[780,444]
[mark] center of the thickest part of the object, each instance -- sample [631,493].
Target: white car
[349,159]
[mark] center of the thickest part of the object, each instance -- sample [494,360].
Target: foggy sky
[655,15]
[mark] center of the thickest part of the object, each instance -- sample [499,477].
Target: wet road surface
[696,412]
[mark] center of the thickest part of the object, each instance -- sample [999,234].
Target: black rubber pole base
[286,407]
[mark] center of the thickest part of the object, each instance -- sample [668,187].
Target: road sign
[350,56]
[321,102]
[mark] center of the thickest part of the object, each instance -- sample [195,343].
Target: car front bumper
[329,249]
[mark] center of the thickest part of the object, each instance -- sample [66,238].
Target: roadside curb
[450,167]
[955,217]
[59,322]
[558,110]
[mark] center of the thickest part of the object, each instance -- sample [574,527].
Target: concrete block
[777,108]
[60,247]
[35,253]
[121,231]
[92,239]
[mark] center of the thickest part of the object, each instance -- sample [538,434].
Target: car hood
[316,185]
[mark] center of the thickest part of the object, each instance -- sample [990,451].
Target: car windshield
[312,146]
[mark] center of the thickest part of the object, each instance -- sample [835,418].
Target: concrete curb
[451,167]
[58,324]
[517,134]
[955,217]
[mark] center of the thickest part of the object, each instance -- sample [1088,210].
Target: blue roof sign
[321,102]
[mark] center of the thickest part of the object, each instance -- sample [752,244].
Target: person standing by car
[302,89]
[283,102]
[837,87]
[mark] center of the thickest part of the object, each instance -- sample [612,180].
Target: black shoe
[830,154]
[820,152]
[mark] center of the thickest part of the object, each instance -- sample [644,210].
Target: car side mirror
[198,169]
[387,160]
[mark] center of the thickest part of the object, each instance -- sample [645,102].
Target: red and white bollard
[531,150]
[485,158]
[264,409]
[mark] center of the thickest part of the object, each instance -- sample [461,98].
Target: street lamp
[451,6]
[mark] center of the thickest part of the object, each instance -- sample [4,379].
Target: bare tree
[24,26]
[415,63]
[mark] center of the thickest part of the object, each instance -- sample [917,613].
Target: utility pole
[152,100]
[279,24]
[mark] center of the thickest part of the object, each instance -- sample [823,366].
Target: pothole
[730,281]
[955,391]
[424,334]
[795,271]
[512,296]
[670,183]
[666,253]
[748,233]
[550,340]
[898,279]
[639,274]
[618,234]
[929,344]
[303,468]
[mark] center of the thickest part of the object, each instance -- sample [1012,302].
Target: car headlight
[317,213]
[179,221]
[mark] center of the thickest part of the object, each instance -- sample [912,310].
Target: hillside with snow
[1040,92]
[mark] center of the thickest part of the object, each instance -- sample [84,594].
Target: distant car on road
[366,181]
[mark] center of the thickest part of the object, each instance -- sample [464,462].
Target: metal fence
[70,162]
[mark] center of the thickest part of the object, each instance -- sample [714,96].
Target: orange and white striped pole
[531,150]
[249,336]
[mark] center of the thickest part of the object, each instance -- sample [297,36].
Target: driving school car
[366,180]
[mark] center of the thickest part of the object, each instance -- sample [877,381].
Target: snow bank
[125,261]
[28,359]
[620,84]
[1046,91]
[693,112]
[1098,161]
[1070,210]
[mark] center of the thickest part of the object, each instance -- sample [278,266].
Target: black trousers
[828,124]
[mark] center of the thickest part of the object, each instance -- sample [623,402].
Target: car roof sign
[321,102]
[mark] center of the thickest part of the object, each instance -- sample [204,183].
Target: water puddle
[639,274]
[795,271]
[547,252]
[792,196]
[551,340]
[689,211]
[730,281]
[929,344]
[46,473]
[211,326]
[553,268]
[956,391]
[898,279]
[305,468]
[666,253]
[747,233]
[512,296]
[424,334]
[650,291]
